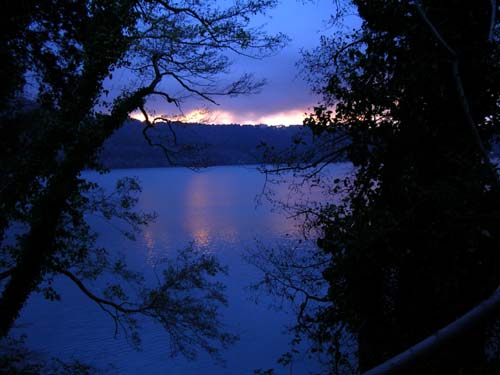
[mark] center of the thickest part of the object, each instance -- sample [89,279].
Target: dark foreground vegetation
[61,53]
[415,243]
[412,98]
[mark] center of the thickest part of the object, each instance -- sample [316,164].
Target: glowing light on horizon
[219,117]
[200,116]
[292,117]
[137,115]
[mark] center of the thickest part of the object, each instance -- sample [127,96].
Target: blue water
[216,210]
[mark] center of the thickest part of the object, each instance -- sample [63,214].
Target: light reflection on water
[215,210]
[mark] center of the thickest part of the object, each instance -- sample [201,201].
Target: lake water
[215,209]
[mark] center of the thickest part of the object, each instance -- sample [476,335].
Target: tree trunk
[36,252]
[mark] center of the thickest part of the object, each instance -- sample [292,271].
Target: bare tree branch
[148,126]
[100,301]
[191,89]
[317,164]
[185,303]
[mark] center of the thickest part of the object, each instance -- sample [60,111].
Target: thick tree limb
[47,211]
[477,317]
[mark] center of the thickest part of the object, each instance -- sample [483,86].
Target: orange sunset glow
[220,117]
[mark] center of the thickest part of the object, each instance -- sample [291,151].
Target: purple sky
[286,97]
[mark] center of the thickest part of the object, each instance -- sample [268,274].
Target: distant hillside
[201,145]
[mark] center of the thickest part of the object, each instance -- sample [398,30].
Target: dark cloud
[286,92]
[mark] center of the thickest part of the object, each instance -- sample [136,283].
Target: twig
[100,301]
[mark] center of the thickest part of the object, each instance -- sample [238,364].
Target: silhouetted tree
[415,244]
[63,51]
[411,237]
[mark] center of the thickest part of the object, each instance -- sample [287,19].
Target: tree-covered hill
[200,145]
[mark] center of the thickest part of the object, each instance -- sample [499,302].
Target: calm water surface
[216,210]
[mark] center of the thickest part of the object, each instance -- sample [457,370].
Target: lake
[216,210]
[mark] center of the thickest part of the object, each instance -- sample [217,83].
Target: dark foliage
[61,52]
[415,244]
